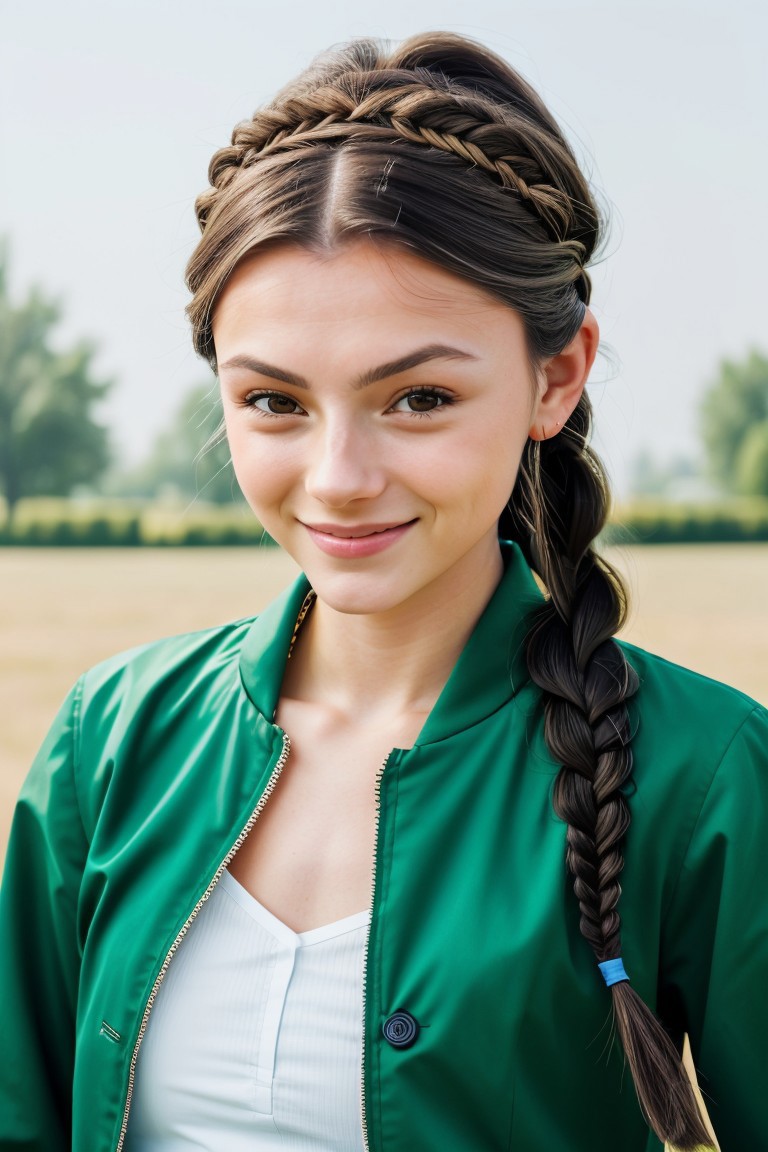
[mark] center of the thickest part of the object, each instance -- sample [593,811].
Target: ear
[561,381]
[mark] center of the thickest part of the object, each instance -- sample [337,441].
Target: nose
[344,466]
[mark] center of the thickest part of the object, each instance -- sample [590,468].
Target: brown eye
[421,401]
[273,403]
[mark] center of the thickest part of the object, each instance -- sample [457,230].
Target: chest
[474,933]
[309,857]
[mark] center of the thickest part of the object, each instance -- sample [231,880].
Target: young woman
[346,876]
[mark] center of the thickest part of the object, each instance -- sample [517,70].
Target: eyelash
[250,402]
[445,398]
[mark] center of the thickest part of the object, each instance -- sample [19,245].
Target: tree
[650,477]
[49,441]
[733,412]
[752,462]
[191,456]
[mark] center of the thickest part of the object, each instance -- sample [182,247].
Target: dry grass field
[63,609]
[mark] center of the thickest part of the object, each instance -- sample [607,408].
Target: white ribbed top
[254,1040]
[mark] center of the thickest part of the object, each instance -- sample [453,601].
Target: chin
[359,593]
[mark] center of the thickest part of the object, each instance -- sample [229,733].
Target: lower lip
[355,547]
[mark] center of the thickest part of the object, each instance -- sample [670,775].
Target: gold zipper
[185,928]
[379,774]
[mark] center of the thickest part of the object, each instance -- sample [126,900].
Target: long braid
[558,508]
[491,191]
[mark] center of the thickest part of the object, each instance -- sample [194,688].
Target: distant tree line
[733,430]
[190,459]
[51,440]
[734,426]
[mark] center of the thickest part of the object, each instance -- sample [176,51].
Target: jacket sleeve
[39,954]
[716,961]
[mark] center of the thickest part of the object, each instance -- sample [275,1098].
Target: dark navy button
[400,1030]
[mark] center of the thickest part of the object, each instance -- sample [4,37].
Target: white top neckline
[255,1037]
[281,931]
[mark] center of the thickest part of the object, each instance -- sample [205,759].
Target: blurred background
[108,117]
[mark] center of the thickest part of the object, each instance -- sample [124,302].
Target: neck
[394,662]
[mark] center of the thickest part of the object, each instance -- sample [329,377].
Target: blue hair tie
[613,971]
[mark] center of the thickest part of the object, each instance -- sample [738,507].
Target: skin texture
[433,451]
[335,453]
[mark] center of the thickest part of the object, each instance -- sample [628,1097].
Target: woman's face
[376,408]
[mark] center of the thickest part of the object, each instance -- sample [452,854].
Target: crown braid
[359,101]
[440,146]
[387,105]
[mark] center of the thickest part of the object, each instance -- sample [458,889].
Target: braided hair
[438,146]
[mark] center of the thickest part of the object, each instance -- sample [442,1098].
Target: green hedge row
[50,524]
[654,522]
[103,533]
[57,523]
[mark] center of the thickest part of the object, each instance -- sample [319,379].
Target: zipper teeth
[185,928]
[363,1114]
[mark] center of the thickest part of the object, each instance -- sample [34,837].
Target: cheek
[262,466]
[482,464]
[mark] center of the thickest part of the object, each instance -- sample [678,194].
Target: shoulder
[657,671]
[171,652]
[674,702]
[684,724]
[177,667]
[213,680]
[695,740]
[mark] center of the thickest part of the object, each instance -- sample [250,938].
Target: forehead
[362,280]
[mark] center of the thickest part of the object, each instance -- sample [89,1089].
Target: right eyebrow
[263,369]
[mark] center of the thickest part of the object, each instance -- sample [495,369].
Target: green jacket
[160,758]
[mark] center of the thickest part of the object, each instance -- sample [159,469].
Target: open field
[705,606]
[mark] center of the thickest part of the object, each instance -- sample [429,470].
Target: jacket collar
[489,671]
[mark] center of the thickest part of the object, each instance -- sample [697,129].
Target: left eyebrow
[412,360]
[371,376]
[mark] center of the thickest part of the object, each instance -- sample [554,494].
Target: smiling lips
[351,542]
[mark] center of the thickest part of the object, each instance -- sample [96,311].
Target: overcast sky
[110,112]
